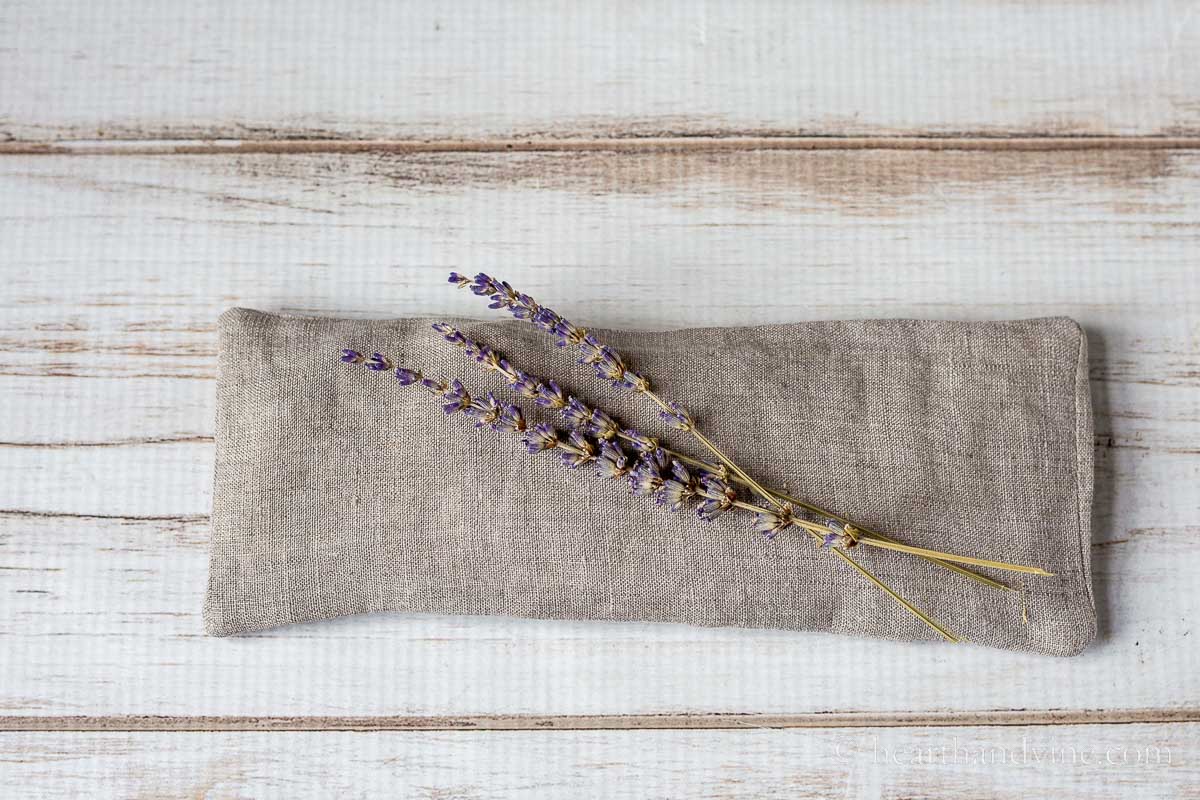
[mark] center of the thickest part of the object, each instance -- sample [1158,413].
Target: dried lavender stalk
[674,491]
[611,367]
[667,480]
[715,494]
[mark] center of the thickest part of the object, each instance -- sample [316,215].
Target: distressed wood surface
[651,164]
[1086,762]
[117,267]
[252,70]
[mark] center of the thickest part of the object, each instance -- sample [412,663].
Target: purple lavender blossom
[459,280]
[525,385]
[602,425]
[525,308]
[679,490]
[838,534]
[551,396]
[633,380]
[546,319]
[613,462]
[579,452]
[450,333]
[718,496]
[639,441]
[677,418]
[483,354]
[609,366]
[352,357]
[378,362]
[511,420]
[407,377]
[646,477]
[541,437]
[591,349]
[438,388]
[484,412]
[576,413]
[500,293]
[457,399]
[568,334]
[772,523]
[483,285]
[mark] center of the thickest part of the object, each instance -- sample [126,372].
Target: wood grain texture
[1096,762]
[249,70]
[642,164]
[115,269]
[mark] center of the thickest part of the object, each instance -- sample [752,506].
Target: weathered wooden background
[651,164]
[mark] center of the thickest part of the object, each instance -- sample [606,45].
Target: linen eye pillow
[338,492]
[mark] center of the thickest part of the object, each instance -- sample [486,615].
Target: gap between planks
[611,722]
[620,145]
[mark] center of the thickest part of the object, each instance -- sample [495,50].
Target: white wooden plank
[115,269]
[245,69]
[1096,762]
[103,617]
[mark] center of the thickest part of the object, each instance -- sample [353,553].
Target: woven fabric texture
[337,491]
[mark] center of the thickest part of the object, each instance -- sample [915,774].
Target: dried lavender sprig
[770,522]
[549,394]
[576,448]
[609,365]
[455,397]
[720,497]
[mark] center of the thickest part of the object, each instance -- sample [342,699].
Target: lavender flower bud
[542,437]
[483,285]
[610,367]
[568,334]
[485,355]
[378,362]
[579,451]
[772,523]
[511,420]
[718,498]
[501,293]
[659,460]
[838,534]
[640,442]
[407,377]
[602,425]
[576,413]
[435,387]
[645,478]
[678,418]
[546,319]
[612,463]
[525,307]
[550,396]
[634,381]
[675,494]
[679,490]
[459,280]
[524,385]
[591,349]
[450,334]
[457,399]
[484,412]
[352,357]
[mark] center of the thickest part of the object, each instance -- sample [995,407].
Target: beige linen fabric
[338,491]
